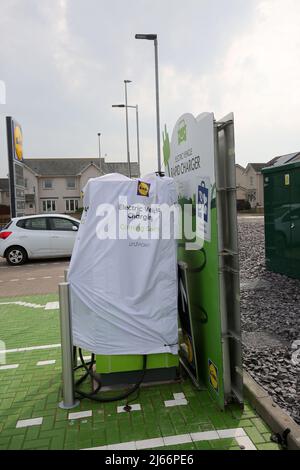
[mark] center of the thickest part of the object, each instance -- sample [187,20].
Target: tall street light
[99,135]
[153,37]
[127,132]
[137,129]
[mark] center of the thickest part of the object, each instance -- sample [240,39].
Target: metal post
[99,135]
[138,138]
[68,401]
[157,105]
[127,132]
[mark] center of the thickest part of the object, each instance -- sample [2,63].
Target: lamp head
[149,37]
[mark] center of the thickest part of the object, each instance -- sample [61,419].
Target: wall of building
[90,172]
[59,193]
[260,189]
[4,198]
[32,188]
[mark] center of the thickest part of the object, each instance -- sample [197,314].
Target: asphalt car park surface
[40,276]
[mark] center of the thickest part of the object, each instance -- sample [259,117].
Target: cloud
[66,63]
[258,78]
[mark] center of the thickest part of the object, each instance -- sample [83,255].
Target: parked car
[38,236]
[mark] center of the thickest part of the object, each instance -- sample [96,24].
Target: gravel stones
[270,316]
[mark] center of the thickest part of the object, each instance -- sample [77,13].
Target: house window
[251,180]
[71,183]
[48,184]
[49,205]
[25,183]
[71,205]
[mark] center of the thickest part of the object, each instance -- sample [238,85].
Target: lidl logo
[213,375]
[18,142]
[181,133]
[143,189]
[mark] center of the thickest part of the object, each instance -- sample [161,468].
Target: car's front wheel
[16,255]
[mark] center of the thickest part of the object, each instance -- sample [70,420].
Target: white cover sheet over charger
[124,291]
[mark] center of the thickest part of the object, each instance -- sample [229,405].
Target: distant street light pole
[153,37]
[99,135]
[137,130]
[127,131]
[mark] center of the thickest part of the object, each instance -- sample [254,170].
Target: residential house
[4,192]
[55,184]
[250,184]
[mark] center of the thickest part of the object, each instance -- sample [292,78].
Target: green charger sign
[210,352]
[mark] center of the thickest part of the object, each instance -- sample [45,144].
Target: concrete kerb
[271,413]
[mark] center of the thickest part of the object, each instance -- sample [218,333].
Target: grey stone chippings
[270,316]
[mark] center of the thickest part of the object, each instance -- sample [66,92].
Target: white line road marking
[48,306]
[136,407]
[179,402]
[175,440]
[227,433]
[23,304]
[244,440]
[9,366]
[47,277]
[46,363]
[122,446]
[80,414]
[32,348]
[30,279]
[149,443]
[14,280]
[24,423]
[52,306]
[179,396]
[204,436]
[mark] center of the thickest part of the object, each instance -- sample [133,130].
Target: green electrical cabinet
[282,215]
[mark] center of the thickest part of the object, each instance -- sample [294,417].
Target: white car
[38,236]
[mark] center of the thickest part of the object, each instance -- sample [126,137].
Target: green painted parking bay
[30,389]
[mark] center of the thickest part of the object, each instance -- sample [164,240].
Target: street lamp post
[153,37]
[137,129]
[99,135]
[138,137]
[127,131]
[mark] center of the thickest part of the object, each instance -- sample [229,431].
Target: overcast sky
[64,62]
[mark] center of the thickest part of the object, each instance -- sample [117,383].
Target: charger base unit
[127,369]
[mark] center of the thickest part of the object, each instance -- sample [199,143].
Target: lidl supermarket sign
[18,142]
[15,165]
